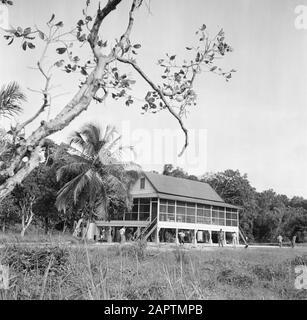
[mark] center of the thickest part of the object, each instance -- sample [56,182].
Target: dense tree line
[263,215]
[83,179]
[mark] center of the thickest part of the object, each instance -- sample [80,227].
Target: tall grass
[39,238]
[136,272]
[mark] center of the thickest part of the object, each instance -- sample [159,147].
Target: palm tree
[11,98]
[95,167]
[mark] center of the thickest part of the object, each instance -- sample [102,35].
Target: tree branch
[46,89]
[41,110]
[162,97]
[102,13]
[22,173]
[135,5]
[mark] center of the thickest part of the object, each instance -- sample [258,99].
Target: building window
[189,212]
[218,215]
[203,214]
[142,183]
[231,217]
[167,210]
[140,210]
[144,209]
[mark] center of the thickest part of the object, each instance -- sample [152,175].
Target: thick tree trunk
[7,187]
[15,174]
[17,171]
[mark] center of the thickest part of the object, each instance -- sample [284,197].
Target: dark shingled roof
[183,187]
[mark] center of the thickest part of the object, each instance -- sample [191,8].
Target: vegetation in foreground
[136,272]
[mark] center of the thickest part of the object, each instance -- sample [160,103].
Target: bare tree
[27,213]
[102,78]
[24,197]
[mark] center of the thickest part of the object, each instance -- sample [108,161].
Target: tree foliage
[235,189]
[11,99]
[263,215]
[104,74]
[95,173]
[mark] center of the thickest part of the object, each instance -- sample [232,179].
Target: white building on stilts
[165,205]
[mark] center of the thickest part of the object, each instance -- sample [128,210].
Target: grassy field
[35,235]
[140,272]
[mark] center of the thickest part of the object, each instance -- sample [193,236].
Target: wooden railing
[146,232]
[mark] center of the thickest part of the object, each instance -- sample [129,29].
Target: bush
[137,249]
[26,260]
[268,273]
[231,277]
[142,290]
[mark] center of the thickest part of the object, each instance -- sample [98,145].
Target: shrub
[145,291]
[25,260]
[137,249]
[268,273]
[231,277]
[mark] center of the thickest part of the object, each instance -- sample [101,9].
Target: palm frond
[11,98]
[113,143]
[77,139]
[65,194]
[105,157]
[92,135]
[79,154]
[90,184]
[74,168]
[100,174]
[109,133]
[123,166]
[82,184]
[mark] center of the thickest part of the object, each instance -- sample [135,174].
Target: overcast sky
[255,123]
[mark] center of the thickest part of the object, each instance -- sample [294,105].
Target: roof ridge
[184,187]
[172,177]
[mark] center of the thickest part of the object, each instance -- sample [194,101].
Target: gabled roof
[183,188]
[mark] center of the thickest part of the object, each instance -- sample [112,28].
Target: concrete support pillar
[195,237]
[109,235]
[177,241]
[224,232]
[210,237]
[157,235]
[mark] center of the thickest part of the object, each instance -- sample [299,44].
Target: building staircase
[147,231]
[243,236]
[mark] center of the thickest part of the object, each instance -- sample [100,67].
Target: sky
[255,123]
